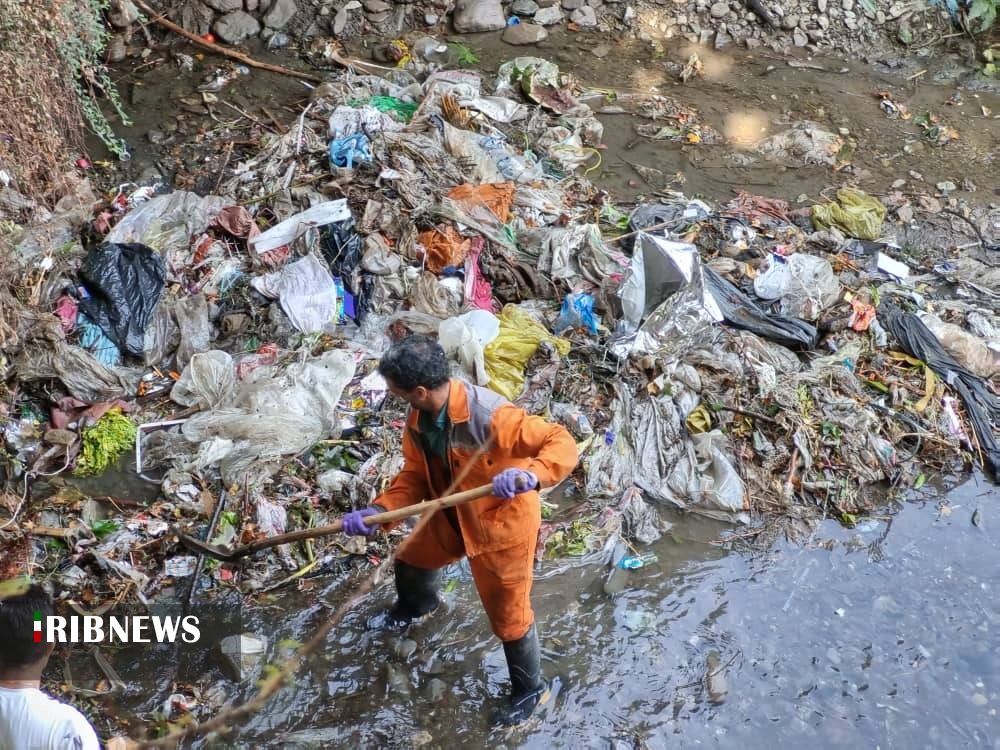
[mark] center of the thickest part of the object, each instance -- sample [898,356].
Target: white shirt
[31,720]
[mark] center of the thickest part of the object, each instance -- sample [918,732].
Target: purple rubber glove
[511,482]
[355,526]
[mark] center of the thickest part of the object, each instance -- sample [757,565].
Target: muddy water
[881,636]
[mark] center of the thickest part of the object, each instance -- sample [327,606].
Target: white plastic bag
[305,290]
[465,337]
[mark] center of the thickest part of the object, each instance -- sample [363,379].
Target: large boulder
[472,16]
[280,14]
[236,27]
[524,33]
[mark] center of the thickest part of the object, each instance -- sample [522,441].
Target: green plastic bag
[856,214]
[508,354]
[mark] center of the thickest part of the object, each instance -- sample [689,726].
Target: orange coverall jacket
[521,441]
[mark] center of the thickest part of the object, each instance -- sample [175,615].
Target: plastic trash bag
[676,216]
[271,415]
[855,213]
[346,121]
[287,231]
[47,356]
[195,330]
[967,349]
[740,311]
[805,283]
[209,379]
[577,311]
[464,338]
[705,481]
[125,282]
[162,335]
[508,354]
[349,149]
[306,292]
[981,403]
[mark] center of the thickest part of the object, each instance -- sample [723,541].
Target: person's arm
[550,447]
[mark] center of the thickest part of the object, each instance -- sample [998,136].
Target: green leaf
[102,529]
[919,482]
[849,519]
[450,586]
[289,643]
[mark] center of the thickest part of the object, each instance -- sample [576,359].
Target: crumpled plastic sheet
[47,356]
[208,380]
[441,247]
[805,284]
[167,223]
[630,517]
[670,218]
[125,282]
[981,403]
[271,415]
[740,311]
[93,339]
[346,121]
[704,479]
[664,299]
[349,149]
[439,297]
[191,314]
[478,291]
[287,231]
[515,344]
[379,258]
[855,213]
[464,338]
[488,204]
[804,143]
[306,292]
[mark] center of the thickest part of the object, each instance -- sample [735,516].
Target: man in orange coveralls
[448,422]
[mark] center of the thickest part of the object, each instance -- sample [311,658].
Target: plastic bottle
[632,562]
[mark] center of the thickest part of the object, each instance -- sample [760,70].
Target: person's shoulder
[71,730]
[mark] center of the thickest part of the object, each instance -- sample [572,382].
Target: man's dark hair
[416,360]
[17,627]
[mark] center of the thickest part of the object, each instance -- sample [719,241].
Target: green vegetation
[104,443]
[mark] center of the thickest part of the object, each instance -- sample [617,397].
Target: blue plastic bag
[578,312]
[345,151]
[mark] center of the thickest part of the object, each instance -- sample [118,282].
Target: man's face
[418,398]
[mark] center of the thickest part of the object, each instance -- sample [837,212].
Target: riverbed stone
[789,22]
[524,7]
[473,16]
[548,16]
[224,6]
[524,33]
[799,38]
[376,6]
[584,17]
[280,14]
[236,27]
[719,10]
[573,4]
[122,14]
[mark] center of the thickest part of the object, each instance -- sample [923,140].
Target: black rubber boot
[416,597]
[527,688]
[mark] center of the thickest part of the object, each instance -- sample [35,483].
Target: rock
[947,186]
[573,4]
[601,51]
[905,213]
[117,48]
[821,6]
[251,5]
[224,6]
[824,22]
[242,654]
[722,39]
[524,33]
[789,22]
[405,648]
[584,17]
[719,10]
[376,6]
[547,3]
[914,175]
[815,35]
[378,19]
[122,14]
[524,7]
[847,4]
[59,437]
[751,43]
[236,27]
[280,14]
[430,19]
[339,22]
[799,38]
[548,16]
[472,16]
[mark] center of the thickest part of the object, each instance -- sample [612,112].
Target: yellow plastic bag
[856,214]
[508,354]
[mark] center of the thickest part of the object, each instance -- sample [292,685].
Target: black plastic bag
[983,406]
[740,311]
[125,282]
[342,250]
[676,216]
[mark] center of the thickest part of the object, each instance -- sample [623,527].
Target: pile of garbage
[742,361]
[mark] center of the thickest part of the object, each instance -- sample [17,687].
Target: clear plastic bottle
[631,562]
